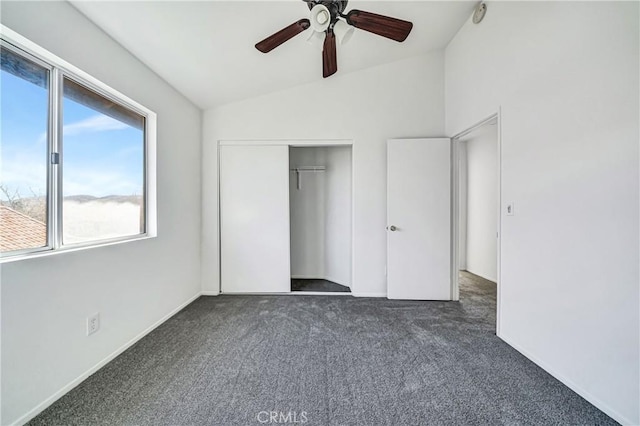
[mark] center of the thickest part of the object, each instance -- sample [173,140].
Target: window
[103,167]
[24,95]
[75,163]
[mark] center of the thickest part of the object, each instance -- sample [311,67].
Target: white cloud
[97,123]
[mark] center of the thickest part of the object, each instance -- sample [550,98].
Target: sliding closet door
[254,219]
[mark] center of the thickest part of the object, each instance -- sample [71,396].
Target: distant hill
[133,199]
[36,207]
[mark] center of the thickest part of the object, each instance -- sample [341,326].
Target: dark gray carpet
[338,360]
[317,285]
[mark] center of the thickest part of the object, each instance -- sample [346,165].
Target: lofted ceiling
[205,49]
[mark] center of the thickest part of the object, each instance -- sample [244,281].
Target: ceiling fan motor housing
[335,7]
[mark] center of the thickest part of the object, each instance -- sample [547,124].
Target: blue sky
[102,156]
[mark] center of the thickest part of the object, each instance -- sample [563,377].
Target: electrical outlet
[93,323]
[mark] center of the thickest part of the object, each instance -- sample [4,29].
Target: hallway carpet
[323,360]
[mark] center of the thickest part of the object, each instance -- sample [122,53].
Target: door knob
[392,228]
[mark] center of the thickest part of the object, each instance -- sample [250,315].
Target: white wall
[307,214]
[338,229]
[565,76]
[320,213]
[400,99]
[481,155]
[45,301]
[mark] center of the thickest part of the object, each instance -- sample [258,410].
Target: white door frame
[291,143]
[455,209]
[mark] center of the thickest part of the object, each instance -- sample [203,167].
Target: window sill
[70,249]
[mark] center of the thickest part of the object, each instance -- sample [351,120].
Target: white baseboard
[75,382]
[210,293]
[599,404]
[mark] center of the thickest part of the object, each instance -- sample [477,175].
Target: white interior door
[419,219]
[254,219]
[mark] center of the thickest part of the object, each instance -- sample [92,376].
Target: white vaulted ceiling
[205,49]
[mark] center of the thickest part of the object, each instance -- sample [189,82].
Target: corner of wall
[209,226]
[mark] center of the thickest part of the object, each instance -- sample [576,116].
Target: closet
[320,218]
[285,213]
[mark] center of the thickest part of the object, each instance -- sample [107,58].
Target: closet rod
[309,169]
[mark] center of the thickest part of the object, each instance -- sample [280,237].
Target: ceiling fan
[328,22]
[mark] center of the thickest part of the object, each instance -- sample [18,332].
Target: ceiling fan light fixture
[331,26]
[343,31]
[316,39]
[320,18]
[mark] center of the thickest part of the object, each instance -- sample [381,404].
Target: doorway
[477,217]
[320,219]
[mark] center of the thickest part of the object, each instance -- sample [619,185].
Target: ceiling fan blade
[385,26]
[329,57]
[275,40]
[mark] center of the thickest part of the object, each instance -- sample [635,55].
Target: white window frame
[59,69]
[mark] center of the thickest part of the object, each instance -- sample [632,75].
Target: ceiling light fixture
[343,31]
[320,18]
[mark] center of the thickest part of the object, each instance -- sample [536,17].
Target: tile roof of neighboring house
[18,231]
